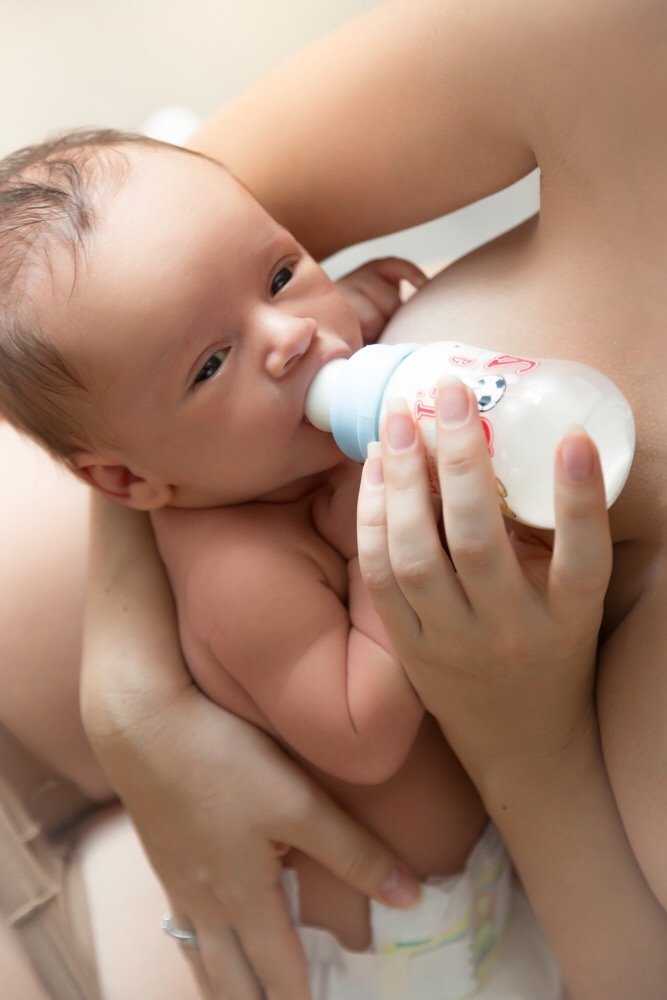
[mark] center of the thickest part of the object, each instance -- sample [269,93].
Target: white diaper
[471,935]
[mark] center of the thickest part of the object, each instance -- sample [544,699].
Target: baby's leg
[43,540]
[429,813]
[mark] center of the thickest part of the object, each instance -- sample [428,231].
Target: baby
[159,334]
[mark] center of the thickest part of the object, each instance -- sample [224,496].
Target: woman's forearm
[385,123]
[132,663]
[561,825]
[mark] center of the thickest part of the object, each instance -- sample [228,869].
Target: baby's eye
[280,279]
[214,363]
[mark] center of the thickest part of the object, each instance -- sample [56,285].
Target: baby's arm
[270,618]
[334,515]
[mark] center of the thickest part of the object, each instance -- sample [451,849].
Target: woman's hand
[214,800]
[498,637]
[216,803]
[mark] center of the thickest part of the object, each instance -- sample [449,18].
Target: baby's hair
[47,199]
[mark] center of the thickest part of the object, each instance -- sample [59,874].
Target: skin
[198,372]
[587,279]
[549,766]
[208,329]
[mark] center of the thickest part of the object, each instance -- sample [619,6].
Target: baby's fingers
[582,557]
[395,269]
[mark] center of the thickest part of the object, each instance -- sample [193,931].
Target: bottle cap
[355,409]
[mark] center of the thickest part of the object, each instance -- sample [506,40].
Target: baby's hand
[373,291]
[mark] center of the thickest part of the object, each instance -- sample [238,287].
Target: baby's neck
[299,489]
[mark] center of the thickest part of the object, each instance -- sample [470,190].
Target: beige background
[69,63]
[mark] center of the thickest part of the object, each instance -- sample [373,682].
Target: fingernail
[578,457]
[400,426]
[453,402]
[400,888]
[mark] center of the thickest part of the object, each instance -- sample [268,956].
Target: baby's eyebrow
[279,239]
[168,361]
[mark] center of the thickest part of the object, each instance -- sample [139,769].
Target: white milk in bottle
[526,406]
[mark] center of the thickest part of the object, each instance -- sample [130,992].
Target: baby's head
[158,329]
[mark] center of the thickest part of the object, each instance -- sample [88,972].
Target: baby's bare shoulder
[258,545]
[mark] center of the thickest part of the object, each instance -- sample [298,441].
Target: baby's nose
[289,343]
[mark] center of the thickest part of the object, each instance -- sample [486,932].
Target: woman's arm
[403,114]
[418,107]
[211,796]
[632,707]
[502,651]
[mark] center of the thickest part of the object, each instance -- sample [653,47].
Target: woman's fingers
[582,556]
[266,935]
[373,549]
[259,957]
[216,959]
[474,527]
[224,966]
[422,568]
[327,834]
[192,953]
[399,549]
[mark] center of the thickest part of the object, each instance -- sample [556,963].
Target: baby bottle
[526,407]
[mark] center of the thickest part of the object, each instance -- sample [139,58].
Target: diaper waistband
[472,906]
[448,938]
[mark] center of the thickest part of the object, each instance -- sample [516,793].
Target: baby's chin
[317,455]
[300,488]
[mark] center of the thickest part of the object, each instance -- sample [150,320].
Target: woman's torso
[538,293]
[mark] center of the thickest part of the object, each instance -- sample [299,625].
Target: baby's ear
[117,483]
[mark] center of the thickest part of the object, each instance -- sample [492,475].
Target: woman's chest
[520,296]
[523,298]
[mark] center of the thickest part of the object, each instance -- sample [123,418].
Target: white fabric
[472,935]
